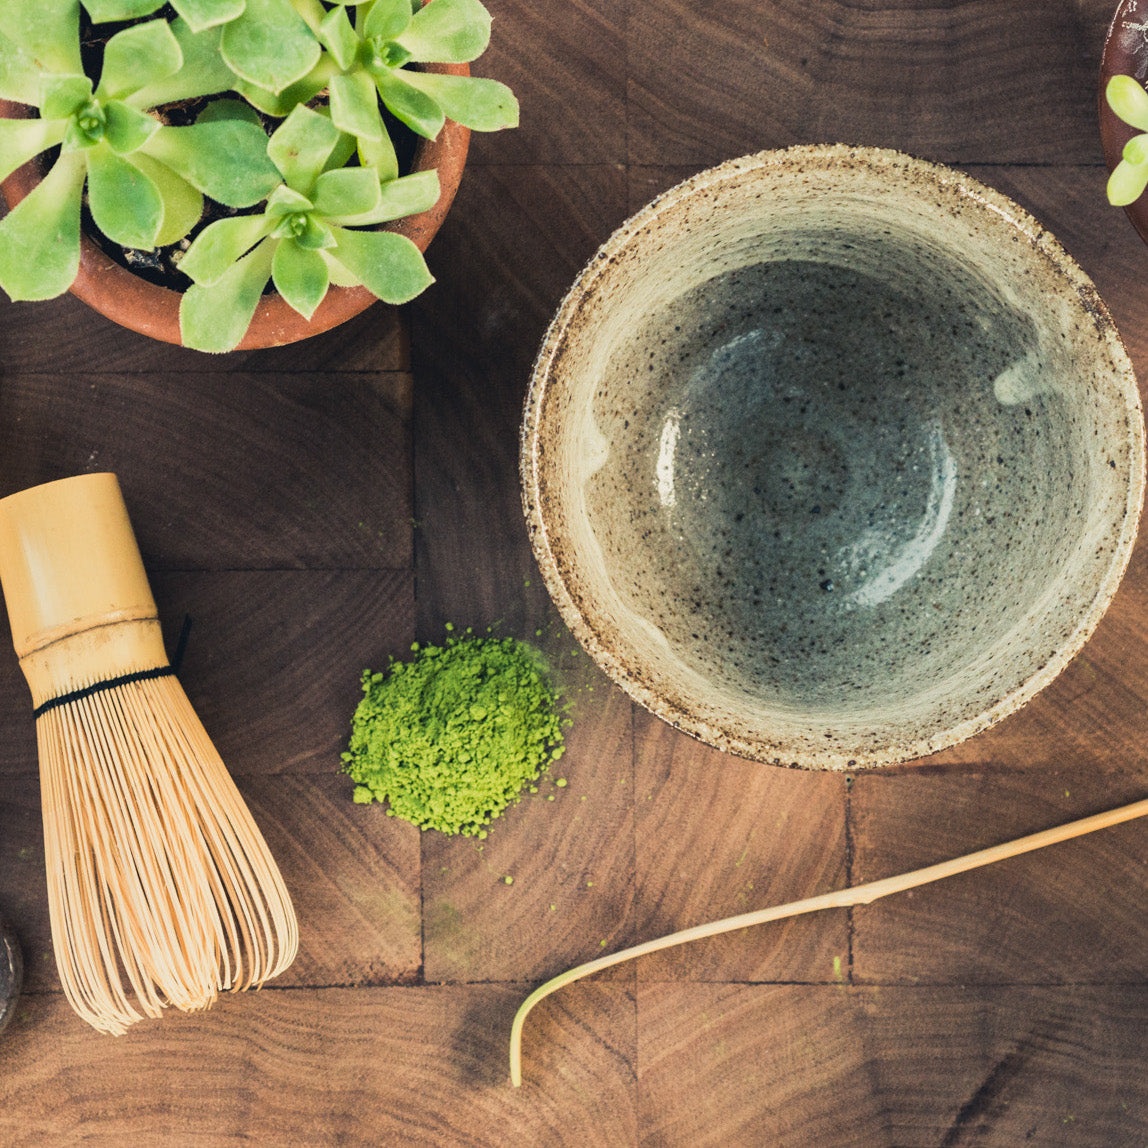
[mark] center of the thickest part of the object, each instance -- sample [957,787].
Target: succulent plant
[145,180]
[309,235]
[312,189]
[264,41]
[364,66]
[1128,99]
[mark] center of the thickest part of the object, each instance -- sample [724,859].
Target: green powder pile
[449,739]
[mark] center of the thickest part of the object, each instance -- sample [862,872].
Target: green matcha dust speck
[449,738]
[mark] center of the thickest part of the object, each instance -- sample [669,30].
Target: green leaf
[398,198]
[1127,183]
[338,36]
[64,95]
[304,229]
[480,104]
[229,110]
[1128,99]
[286,201]
[270,45]
[386,19]
[300,276]
[411,105]
[379,155]
[343,153]
[220,245]
[84,130]
[227,160]
[339,275]
[104,11]
[201,14]
[127,129]
[355,106]
[182,203]
[389,266]
[347,191]
[300,146]
[203,72]
[1136,150]
[40,236]
[125,204]
[48,30]
[280,104]
[22,140]
[317,236]
[409,195]
[20,73]
[216,318]
[312,11]
[448,32]
[139,55]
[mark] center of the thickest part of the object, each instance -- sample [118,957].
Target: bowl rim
[822,157]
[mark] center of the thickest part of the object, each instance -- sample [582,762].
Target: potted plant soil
[234,173]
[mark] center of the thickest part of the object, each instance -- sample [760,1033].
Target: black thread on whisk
[123,679]
[99,687]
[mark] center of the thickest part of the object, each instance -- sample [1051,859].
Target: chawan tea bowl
[832,457]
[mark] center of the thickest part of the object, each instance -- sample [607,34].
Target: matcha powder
[450,738]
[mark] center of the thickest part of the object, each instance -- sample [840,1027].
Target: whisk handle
[78,597]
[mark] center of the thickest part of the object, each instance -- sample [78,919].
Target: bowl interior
[832,457]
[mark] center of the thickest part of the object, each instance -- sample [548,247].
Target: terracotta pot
[1125,54]
[139,305]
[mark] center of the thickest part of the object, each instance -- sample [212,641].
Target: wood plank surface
[314,510]
[877,1068]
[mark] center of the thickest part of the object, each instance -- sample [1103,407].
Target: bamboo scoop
[157,873]
[840,899]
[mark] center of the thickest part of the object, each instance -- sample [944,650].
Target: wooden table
[317,509]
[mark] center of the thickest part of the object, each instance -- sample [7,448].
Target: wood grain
[272,663]
[717,837]
[780,1065]
[475,338]
[223,471]
[274,658]
[714,80]
[316,509]
[1073,913]
[552,885]
[553,51]
[326,1066]
[64,335]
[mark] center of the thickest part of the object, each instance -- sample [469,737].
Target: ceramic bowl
[832,457]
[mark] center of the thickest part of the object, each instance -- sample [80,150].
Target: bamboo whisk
[161,888]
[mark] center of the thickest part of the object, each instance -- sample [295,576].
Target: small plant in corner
[1129,101]
[285,169]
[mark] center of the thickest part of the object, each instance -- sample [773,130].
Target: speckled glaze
[832,457]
